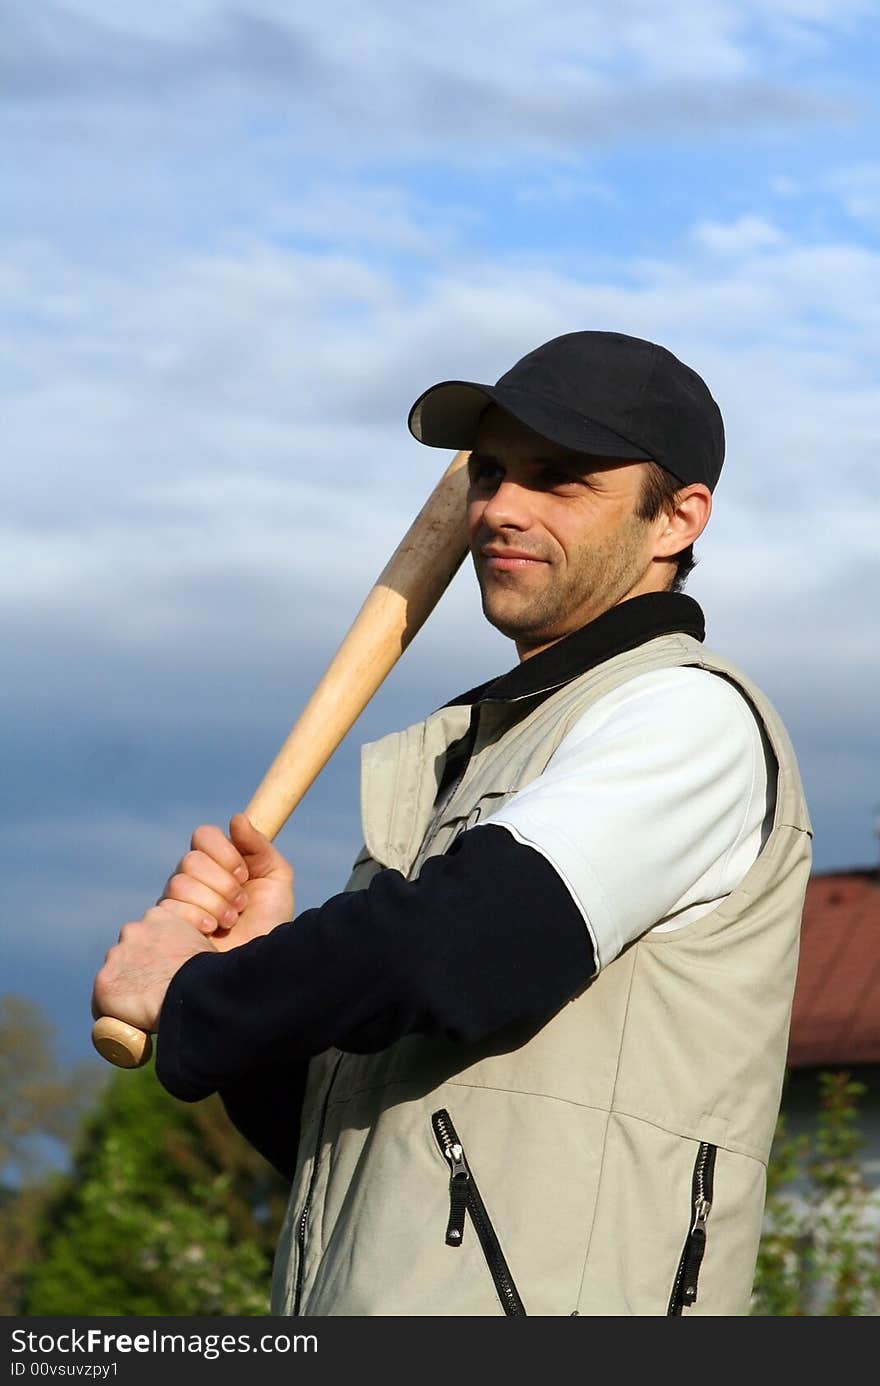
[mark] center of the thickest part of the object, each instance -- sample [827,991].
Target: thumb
[261,857]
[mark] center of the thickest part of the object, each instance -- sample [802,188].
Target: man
[530,1061]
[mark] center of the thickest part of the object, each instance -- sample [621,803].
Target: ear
[684,522]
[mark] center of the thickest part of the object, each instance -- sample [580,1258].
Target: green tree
[819,1250]
[166,1211]
[41,1104]
[845,1236]
[41,1099]
[781,1275]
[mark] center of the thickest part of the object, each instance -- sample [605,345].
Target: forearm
[486,937]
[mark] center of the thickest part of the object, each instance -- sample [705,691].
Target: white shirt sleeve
[654,805]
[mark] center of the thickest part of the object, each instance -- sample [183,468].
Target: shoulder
[685,703]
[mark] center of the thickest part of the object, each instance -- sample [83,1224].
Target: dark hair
[658,493]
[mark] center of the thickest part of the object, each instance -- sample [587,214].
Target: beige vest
[584,1137]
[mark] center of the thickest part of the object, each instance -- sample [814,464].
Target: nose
[509,507]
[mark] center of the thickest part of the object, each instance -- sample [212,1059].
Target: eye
[484,473]
[558,477]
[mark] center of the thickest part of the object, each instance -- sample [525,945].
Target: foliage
[819,1250]
[41,1100]
[166,1211]
[21,1211]
[41,1104]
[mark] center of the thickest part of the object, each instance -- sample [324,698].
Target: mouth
[508,560]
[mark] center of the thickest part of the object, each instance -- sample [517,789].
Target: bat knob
[121,1044]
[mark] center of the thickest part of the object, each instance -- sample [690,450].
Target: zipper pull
[696,1250]
[458,1193]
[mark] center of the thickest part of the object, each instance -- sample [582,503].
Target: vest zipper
[684,1289]
[304,1215]
[464,1196]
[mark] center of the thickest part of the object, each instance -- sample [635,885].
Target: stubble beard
[568,597]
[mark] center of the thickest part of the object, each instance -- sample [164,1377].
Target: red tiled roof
[836,1015]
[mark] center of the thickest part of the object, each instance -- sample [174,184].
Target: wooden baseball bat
[397,606]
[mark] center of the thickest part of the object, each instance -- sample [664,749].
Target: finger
[165,913]
[198,866]
[189,892]
[262,858]
[192,914]
[215,844]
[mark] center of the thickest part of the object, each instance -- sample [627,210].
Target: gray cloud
[205,417]
[60,52]
[548,80]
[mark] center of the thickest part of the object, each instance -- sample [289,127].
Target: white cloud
[858,189]
[565,189]
[745,234]
[381,217]
[785,187]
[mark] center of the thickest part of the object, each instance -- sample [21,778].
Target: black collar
[620,628]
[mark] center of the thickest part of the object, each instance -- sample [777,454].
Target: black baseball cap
[600,393]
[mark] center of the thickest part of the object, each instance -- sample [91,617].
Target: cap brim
[448,416]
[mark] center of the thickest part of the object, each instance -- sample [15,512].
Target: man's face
[553,534]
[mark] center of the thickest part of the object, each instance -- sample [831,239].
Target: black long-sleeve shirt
[368,967]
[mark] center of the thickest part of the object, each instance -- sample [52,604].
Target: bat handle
[123,1045]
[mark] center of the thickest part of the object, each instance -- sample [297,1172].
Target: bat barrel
[404,595]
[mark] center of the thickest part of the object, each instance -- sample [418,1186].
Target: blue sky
[237,242]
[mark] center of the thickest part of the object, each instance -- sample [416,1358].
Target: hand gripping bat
[401,600]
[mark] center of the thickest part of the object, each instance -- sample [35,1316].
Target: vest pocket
[464,1198]
[684,1289]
